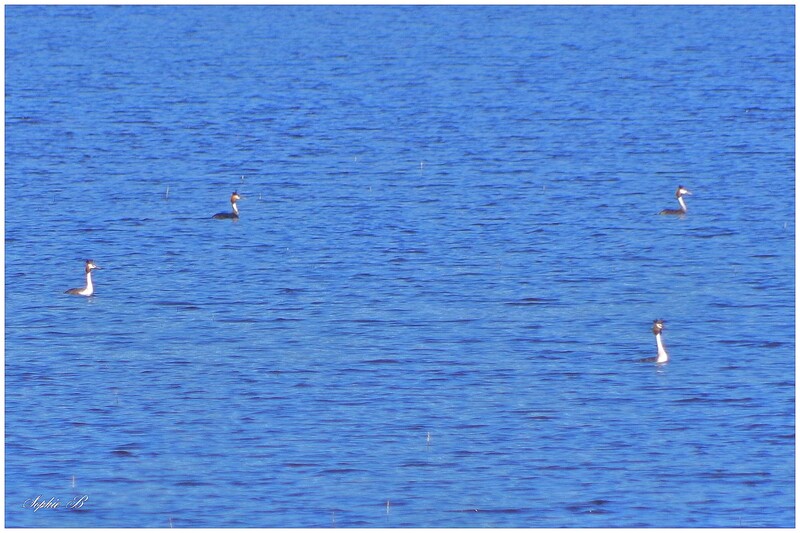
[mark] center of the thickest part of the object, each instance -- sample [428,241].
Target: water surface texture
[448,261]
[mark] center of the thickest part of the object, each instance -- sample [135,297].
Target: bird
[89,289]
[663,356]
[679,194]
[235,214]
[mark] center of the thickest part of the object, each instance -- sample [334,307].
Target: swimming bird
[89,289]
[234,198]
[663,356]
[679,194]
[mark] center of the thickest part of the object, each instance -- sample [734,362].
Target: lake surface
[447,264]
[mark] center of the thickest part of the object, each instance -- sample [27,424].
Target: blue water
[447,263]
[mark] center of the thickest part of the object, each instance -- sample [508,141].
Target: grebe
[234,198]
[679,194]
[663,356]
[89,289]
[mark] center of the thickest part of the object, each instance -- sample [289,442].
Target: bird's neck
[663,356]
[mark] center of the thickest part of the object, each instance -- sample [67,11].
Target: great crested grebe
[679,194]
[663,356]
[234,198]
[89,289]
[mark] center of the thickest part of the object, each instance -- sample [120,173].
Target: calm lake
[448,262]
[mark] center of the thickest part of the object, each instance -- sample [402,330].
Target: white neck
[663,356]
[235,209]
[680,201]
[89,288]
